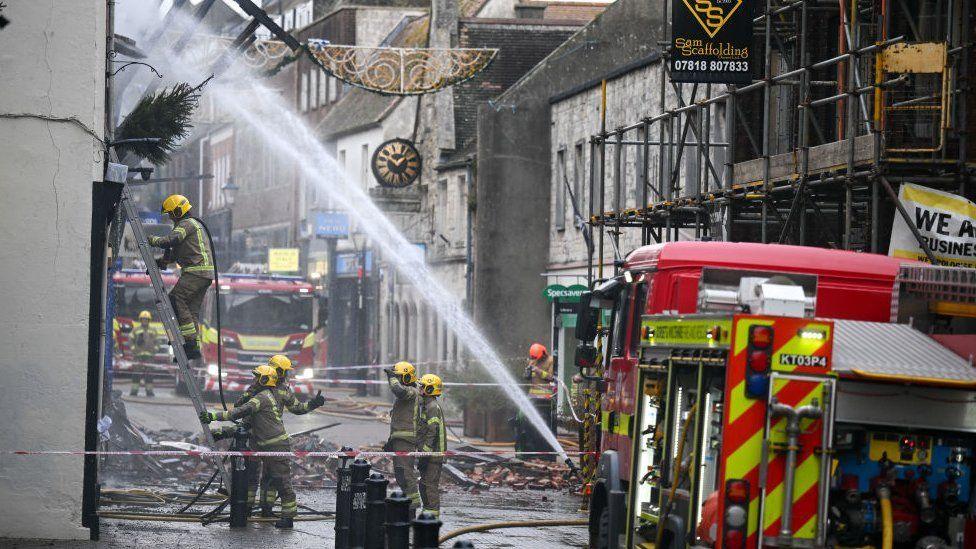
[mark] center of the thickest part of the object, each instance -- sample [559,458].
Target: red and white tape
[296,454]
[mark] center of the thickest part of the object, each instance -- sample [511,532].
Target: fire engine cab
[768,396]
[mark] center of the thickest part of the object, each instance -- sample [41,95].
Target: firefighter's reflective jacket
[284,395]
[431,432]
[143,341]
[264,414]
[540,377]
[187,245]
[403,416]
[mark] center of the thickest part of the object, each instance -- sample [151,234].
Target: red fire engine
[261,315]
[762,395]
[132,295]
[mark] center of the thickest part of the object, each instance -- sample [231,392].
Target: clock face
[396,163]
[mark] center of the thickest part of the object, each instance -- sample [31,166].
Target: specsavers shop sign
[711,41]
[945,221]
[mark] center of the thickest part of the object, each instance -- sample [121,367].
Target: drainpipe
[468,245]
[793,417]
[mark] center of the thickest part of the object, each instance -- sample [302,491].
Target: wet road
[459,508]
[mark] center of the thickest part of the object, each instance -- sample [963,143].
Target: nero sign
[711,41]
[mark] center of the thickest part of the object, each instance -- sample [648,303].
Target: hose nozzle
[573,470]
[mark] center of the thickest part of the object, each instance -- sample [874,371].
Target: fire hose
[887,534]
[512,524]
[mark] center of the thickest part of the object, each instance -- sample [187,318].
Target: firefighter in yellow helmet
[432,437]
[286,398]
[188,246]
[143,350]
[267,434]
[402,378]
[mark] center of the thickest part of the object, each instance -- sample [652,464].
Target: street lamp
[359,242]
[229,190]
[226,215]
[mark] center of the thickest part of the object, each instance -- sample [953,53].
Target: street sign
[331,225]
[570,294]
[711,41]
[283,260]
[347,264]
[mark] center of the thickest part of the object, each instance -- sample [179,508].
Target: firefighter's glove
[317,401]
[207,417]
[153,240]
[390,372]
[161,263]
[528,372]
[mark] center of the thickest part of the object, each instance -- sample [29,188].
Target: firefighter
[143,348]
[188,246]
[538,372]
[286,398]
[432,437]
[402,378]
[268,434]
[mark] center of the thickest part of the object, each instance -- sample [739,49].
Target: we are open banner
[947,223]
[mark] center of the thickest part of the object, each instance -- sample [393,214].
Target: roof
[239,281]
[896,353]
[768,257]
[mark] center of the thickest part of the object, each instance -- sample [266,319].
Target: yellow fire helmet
[406,371]
[431,385]
[176,205]
[145,315]
[280,362]
[266,375]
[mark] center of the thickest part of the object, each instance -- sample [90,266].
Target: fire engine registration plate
[803,360]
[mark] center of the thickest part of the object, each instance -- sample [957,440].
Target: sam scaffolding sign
[946,222]
[711,41]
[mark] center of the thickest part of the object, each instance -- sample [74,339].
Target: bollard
[375,510]
[462,544]
[343,501]
[426,531]
[238,481]
[397,521]
[357,520]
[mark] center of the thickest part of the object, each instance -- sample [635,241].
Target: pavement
[459,508]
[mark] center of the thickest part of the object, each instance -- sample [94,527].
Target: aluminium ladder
[168,318]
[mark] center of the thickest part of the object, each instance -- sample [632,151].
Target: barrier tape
[298,454]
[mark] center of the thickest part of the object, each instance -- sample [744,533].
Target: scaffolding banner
[946,223]
[711,41]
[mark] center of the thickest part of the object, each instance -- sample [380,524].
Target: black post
[397,521]
[238,481]
[357,520]
[343,501]
[426,531]
[375,510]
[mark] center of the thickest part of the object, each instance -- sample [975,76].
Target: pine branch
[165,115]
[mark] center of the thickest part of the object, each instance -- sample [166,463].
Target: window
[342,160]
[333,89]
[289,19]
[579,169]
[313,91]
[364,166]
[559,220]
[323,87]
[461,210]
[303,91]
[441,213]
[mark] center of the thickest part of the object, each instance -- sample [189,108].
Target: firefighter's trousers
[430,484]
[187,298]
[404,469]
[141,376]
[278,471]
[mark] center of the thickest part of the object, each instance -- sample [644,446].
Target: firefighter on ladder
[187,244]
[286,398]
[432,437]
[402,378]
[143,349]
[263,413]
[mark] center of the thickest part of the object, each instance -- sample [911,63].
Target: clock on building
[396,163]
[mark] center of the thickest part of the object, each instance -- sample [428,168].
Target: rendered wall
[52,65]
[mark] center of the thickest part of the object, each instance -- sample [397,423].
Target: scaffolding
[872,95]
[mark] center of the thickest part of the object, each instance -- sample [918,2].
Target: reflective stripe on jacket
[188,246]
[143,341]
[263,411]
[432,433]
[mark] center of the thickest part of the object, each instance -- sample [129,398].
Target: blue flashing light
[757,386]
